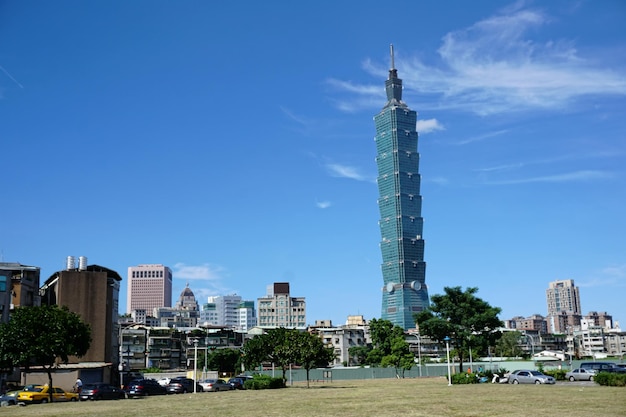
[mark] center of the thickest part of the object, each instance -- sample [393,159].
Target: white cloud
[617,271]
[588,175]
[495,66]
[323,204]
[438,180]
[482,137]
[429,125]
[345,171]
[197,272]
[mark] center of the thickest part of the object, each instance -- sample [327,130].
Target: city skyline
[234,144]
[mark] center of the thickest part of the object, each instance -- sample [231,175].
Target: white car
[530,377]
[164,382]
[581,374]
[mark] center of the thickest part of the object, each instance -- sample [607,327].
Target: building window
[3,283]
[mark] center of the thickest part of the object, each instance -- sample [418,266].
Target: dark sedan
[144,388]
[182,385]
[100,391]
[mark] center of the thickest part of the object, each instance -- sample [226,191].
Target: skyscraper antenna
[393,65]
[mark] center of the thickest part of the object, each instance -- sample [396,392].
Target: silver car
[530,377]
[581,374]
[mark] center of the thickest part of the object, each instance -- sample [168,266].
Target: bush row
[611,379]
[264,382]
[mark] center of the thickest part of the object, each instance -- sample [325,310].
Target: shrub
[464,378]
[611,379]
[264,382]
[558,374]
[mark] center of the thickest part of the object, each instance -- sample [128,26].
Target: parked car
[100,391]
[238,382]
[603,367]
[215,385]
[530,377]
[598,366]
[580,374]
[143,388]
[9,398]
[40,394]
[164,381]
[183,385]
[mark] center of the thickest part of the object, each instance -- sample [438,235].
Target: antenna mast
[393,65]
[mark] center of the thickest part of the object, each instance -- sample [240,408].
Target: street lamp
[195,365]
[447,340]
[419,352]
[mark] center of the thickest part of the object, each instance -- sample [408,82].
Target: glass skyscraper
[404,270]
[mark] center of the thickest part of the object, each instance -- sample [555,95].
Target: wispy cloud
[429,125]
[345,171]
[614,275]
[482,137]
[197,272]
[294,117]
[437,180]
[588,175]
[323,204]
[11,77]
[495,66]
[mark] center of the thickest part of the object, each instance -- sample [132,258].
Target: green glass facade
[404,270]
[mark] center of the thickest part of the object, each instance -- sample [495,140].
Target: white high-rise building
[149,287]
[222,310]
[247,316]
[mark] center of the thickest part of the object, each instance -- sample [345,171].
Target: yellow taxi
[40,394]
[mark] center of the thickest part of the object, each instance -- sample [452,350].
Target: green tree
[400,357]
[383,333]
[467,320]
[360,352]
[508,344]
[224,360]
[43,336]
[276,346]
[311,352]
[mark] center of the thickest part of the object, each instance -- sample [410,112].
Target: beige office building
[564,312]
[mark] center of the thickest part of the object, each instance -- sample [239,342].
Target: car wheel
[73,399]
[590,378]
[572,379]
[44,401]
[537,382]
[515,381]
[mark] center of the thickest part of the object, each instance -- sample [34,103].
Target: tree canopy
[467,320]
[284,347]
[43,336]
[388,349]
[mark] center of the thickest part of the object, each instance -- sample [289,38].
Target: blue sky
[234,143]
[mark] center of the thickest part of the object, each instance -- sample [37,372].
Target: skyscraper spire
[393,85]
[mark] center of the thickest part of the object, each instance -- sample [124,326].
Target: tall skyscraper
[564,309]
[404,270]
[149,287]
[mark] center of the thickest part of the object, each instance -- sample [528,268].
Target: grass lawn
[430,397]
